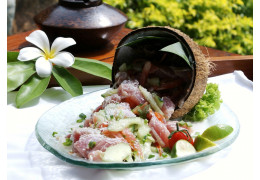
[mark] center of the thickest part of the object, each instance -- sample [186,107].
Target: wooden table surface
[225,62]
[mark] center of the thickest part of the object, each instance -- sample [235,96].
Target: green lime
[182,148]
[202,143]
[217,132]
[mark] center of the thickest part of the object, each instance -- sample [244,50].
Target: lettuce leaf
[208,104]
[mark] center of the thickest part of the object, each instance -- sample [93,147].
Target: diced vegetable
[182,148]
[142,110]
[158,100]
[143,128]
[148,96]
[68,142]
[91,144]
[117,153]
[178,135]
[54,133]
[109,93]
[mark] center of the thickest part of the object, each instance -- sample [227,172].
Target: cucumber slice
[143,128]
[124,123]
[109,93]
[148,96]
[117,153]
[182,148]
[158,100]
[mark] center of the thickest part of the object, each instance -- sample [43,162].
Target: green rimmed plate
[59,118]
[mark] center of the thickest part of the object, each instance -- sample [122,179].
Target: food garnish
[208,104]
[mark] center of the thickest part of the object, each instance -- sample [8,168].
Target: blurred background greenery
[222,24]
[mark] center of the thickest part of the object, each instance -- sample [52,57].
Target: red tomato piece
[178,135]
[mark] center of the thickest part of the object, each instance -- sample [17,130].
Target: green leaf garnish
[94,67]
[82,116]
[208,104]
[67,81]
[54,133]
[91,144]
[151,156]
[167,150]
[177,49]
[18,72]
[164,155]
[33,88]
[68,142]
[79,121]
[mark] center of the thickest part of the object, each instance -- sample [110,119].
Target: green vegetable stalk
[208,104]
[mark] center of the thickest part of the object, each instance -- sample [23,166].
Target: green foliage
[220,24]
[67,81]
[23,77]
[208,104]
[31,89]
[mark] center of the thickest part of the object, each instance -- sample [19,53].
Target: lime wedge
[217,132]
[202,143]
[182,148]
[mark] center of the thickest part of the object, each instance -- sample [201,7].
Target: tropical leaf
[67,81]
[177,49]
[94,67]
[33,88]
[17,73]
[12,56]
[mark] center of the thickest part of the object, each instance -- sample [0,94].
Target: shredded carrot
[159,116]
[135,110]
[103,125]
[159,148]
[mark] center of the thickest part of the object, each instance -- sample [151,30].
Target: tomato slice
[178,135]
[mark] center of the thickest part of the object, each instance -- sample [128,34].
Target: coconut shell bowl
[91,23]
[142,55]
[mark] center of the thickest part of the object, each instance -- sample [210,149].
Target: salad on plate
[133,125]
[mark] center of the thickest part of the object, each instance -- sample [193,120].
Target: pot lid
[80,3]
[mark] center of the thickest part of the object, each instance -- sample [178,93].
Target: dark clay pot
[90,22]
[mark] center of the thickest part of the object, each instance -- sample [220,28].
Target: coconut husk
[202,70]
[203,67]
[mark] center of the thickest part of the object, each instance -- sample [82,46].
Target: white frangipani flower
[45,55]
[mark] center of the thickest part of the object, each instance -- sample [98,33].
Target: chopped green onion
[151,156]
[189,124]
[182,123]
[167,150]
[79,120]
[81,126]
[68,142]
[54,133]
[82,116]
[91,144]
[164,155]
